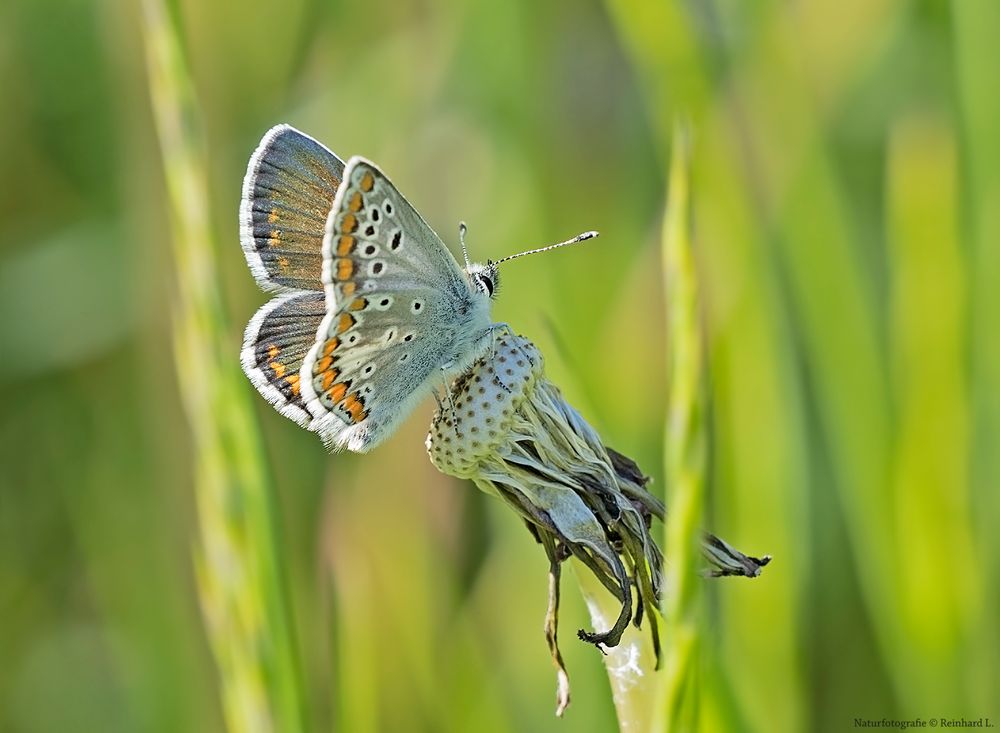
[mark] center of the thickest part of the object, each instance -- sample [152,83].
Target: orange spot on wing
[358,304]
[355,407]
[328,378]
[356,202]
[348,289]
[330,346]
[275,238]
[338,391]
[345,322]
[293,382]
[345,245]
[278,368]
[272,216]
[348,224]
[323,364]
[272,351]
[367,182]
[345,268]
[283,264]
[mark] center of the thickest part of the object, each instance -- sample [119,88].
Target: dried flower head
[506,427]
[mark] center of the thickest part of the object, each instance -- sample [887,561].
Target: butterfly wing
[371,367]
[398,311]
[290,185]
[276,342]
[375,240]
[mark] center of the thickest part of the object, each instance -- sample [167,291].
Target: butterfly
[371,310]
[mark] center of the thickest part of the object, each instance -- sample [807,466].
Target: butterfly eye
[487,284]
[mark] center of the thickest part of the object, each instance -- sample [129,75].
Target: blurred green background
[847,222]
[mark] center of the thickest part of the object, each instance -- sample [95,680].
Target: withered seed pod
[506,427]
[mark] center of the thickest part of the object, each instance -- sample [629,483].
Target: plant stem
[630,665]
[241,588]
[685,452]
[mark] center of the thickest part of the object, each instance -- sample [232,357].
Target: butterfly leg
[495,332]
[451,404]
[500,383]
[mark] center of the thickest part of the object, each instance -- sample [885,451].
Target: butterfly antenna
[578,238]
[462,229]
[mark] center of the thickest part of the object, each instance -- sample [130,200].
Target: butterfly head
[485,278]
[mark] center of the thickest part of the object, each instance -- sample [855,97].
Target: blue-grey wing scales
[401,316]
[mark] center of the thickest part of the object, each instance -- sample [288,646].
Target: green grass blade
[685,452]
[976,28]
[941,595]
[240,582]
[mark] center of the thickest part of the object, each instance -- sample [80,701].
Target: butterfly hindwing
[276,341]
[289,188]
[372,362]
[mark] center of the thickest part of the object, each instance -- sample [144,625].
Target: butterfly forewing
[393,294]
[376,241]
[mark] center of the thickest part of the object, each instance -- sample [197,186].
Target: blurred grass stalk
[762,459]
[976,27]
[669,702]
[684,452]
[788,162]
[940,609]
[239,573]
